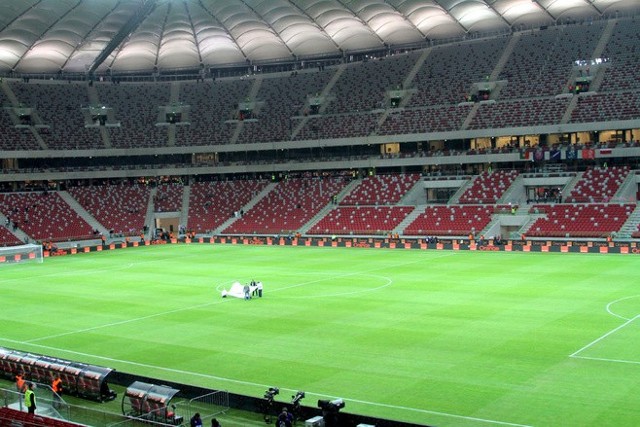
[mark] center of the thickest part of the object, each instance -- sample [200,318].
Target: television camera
[271,393]
[295,400]
[267,403]
[295,404]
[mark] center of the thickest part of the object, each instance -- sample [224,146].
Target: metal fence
[208,406]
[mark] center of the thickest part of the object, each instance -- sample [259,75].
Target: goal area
[21,254]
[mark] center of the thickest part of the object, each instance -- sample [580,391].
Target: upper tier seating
[361,220]
[489,187]
[421,120]
[341,126]
[7,238]
[622,51]
[542,61]
[528,112]
[290,205]
[381,189]
[607,106]
[120,208]
[279,99]
[212,203]
[44,216]
[540,67]
[448,74]
[60,105]
[168,198]
[598,185]
[363,86]
[135,106]
[212,106]
[459,220]
[579,220]
[12,138]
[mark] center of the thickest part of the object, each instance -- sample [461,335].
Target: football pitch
[443,338]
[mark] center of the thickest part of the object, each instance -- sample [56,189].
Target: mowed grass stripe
[444,338]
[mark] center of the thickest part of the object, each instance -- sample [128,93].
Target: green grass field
[435,337]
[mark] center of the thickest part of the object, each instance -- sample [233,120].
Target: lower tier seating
[362,220]
[14,418]
[576,220]
[459,220]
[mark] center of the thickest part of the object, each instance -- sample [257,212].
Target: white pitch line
[122,322]
[177,310]
[603,336]
[230,380]
[617,301]
[602,359]
[442,414]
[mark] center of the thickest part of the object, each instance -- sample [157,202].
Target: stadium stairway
[406,85]
[506,54]
[515,194]
[495,73]
[604,40]
[8,92]
[416,68]
[149,218]
[21,235]
[533,217]
[470,116]
[599,76]
[247,207]
[36,119]
[90,219]
[627,191]
[571,184]
[324,94]
[631,225]
[566,116]
[94,99]
[325,211]
[455,199]
[415,196]
[253,93]
[409,218]
[184,209]
[38,138]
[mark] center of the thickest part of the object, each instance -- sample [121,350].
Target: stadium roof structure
[82,36]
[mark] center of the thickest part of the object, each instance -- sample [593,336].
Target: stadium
[370,213]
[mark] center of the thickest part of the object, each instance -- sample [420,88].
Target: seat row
[13,418]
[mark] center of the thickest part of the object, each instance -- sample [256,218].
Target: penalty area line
[597,340]
[602,359]
[252,384]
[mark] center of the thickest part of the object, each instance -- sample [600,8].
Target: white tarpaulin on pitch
[237,290]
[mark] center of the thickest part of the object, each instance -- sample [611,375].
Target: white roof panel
[71,35]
